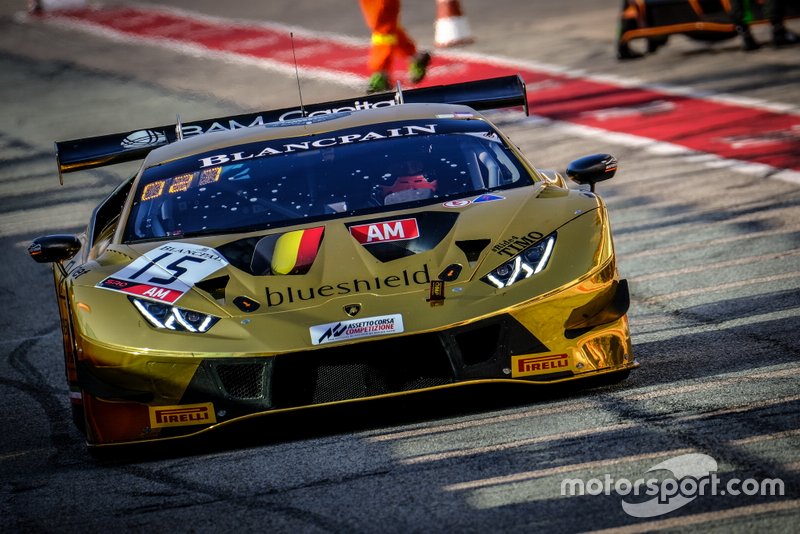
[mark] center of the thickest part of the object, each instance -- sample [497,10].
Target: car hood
[370,266]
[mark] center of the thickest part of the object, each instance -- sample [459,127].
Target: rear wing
[92,152]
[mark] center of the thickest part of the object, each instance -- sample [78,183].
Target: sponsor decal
[611,163]
[487,198]
[514,244]
[308,120]
[460,203]
[166,273]
[356,328]
[539,365]
[78,272]
[287,148]
[290,295]
[296,251]
[381,232]
[437,293]
[289,118]
[357,105]
[182,415]
[143,139]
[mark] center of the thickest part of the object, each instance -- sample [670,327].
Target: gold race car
[327,254]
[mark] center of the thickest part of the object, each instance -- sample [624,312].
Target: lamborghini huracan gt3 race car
[342,251]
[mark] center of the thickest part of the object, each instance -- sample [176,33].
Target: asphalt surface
[712,254]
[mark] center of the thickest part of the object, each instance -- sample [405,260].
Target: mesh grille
[242,380]
[346,381]
[360,370]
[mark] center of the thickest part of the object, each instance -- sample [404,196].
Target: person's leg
[628,20]
[417,60]
[381,18]
[775,11]
[742,27]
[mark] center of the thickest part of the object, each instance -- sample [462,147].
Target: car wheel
[79,417]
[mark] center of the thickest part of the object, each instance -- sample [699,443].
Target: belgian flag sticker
[296,251]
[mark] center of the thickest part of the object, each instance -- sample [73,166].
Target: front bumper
[575,333]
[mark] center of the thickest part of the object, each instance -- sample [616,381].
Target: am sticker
[166,273]
[381,232]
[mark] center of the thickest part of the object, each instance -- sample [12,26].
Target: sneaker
[418,66]
[748,41]
[654,43]
[624,52]
[378,82]
[781,36]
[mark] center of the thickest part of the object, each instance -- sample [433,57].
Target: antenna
[398,96]
[178,127]
[297,76]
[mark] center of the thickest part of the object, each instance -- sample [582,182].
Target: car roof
[320,123]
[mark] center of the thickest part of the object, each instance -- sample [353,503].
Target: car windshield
[375,168]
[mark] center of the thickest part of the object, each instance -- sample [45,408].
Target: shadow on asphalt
[374,414]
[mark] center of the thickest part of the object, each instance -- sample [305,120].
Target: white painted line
[551,410]
[541,473]
[332,76]
[353,81]
[670,249]
[661,148]
[594,431]
[766,437]
[737,409]
[663,335]
[516,444]
[717,382]
[568,407]
[717,265]
[795,275]
[553,471]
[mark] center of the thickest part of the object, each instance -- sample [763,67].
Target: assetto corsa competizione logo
[356,328]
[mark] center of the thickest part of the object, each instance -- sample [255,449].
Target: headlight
[524,265]
[169,317]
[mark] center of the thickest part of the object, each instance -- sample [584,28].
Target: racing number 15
[174,268]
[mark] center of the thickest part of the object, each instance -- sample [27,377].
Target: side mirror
[592,169]
[54,248]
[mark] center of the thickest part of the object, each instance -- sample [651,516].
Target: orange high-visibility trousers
[388,37]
